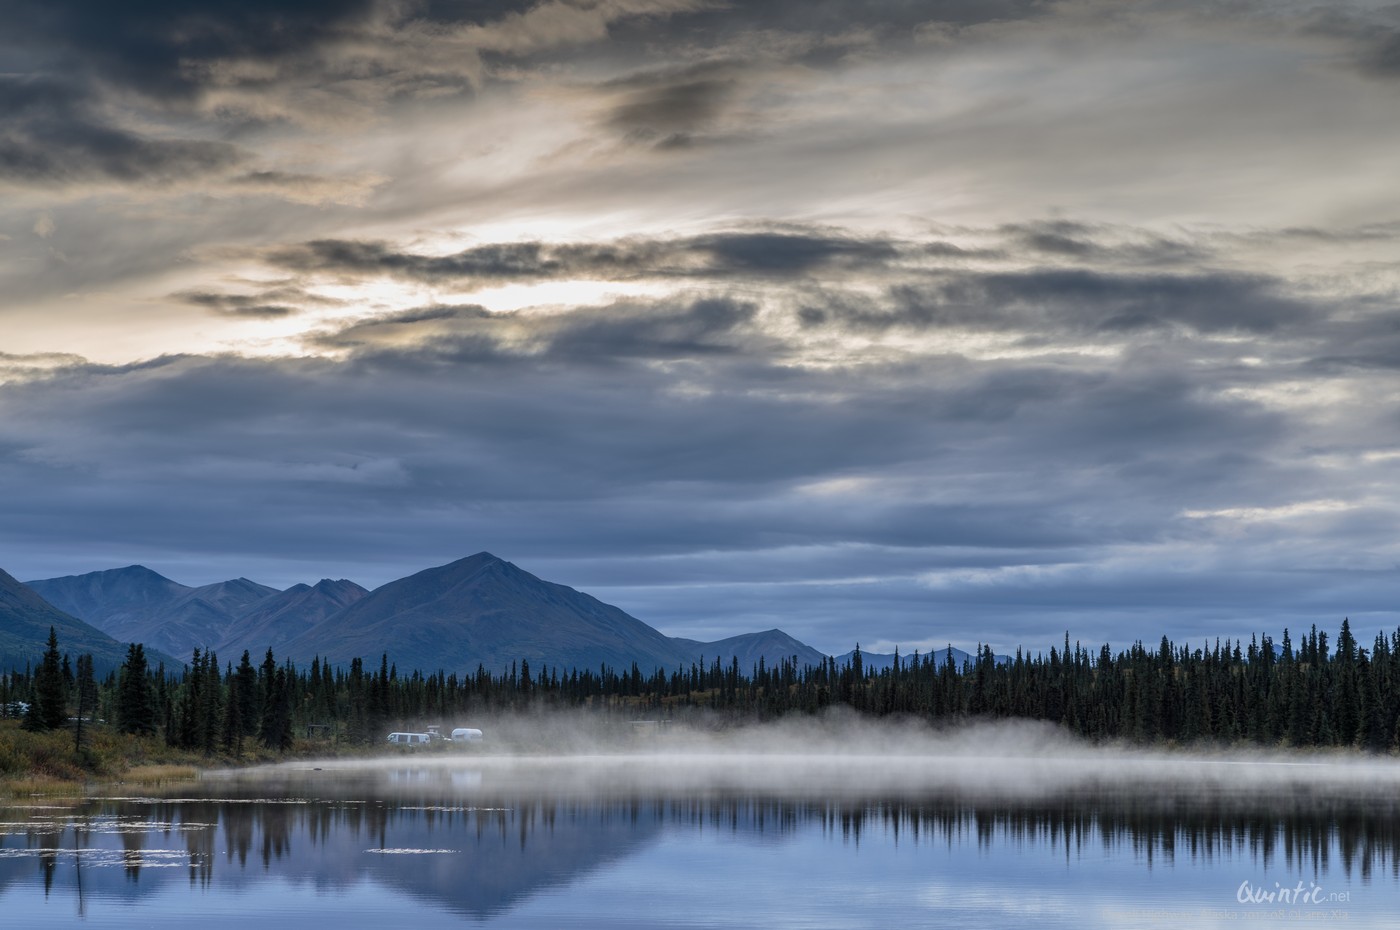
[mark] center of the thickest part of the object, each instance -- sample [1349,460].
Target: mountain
[477,610]
[199,618]
[135,604]
[484,610]
[25,618]
[112,599]
[773,646]
[275,621]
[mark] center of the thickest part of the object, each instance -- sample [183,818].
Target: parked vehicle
[466,735]
[410,739]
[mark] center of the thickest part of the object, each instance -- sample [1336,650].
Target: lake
[738,836]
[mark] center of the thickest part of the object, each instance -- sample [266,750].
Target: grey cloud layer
[1000,488]
[923,290]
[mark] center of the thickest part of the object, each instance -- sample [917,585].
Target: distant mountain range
[135,604]
[274,621]
[25,619]
[478,610]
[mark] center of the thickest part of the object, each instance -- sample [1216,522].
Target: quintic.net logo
[1300,894]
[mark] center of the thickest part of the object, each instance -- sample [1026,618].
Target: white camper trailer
[466,735]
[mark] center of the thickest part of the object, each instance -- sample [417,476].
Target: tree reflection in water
[423,840]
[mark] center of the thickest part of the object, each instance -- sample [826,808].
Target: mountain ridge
[274,621]
[136,604]
[484,610]
[25,619]
[479,610]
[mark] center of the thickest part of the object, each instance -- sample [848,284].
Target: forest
[1308,694]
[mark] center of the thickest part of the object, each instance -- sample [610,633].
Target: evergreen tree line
[1308,695]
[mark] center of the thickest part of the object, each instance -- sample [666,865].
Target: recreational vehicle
[409,739]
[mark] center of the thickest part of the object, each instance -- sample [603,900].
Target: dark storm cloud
[729,53]
[638,330]
[395,324]
[1060,301]
[235,305]
[1205,302]
[835,17]
[1374,232]
[751,253]
[526,260]
[208,72]
[669,107]
[1071,240]
[780,253]
[685,106]
[269,303]
[1057,242]
[1382,54]
[158,46]
[174,50]
[1379,352]
[702,327]
[51,134]
[1373,37]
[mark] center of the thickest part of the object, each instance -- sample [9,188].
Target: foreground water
[736,840]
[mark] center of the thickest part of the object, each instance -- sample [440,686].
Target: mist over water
[575,821]
[845,756]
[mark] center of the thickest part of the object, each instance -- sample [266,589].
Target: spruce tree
[50,707]
[246,686]
[210,710]
[231,727]
[267,686]
[276,731]
[86,687]
[135,713]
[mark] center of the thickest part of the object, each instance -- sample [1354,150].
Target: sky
[899,322]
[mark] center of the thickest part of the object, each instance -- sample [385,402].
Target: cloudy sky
[899,321]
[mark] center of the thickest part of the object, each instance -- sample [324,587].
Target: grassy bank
[48,763]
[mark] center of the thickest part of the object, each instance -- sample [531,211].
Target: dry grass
[159,774]
[48,763]
[39,786]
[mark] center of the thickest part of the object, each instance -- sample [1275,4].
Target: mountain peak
[130,574]
[483,610]
[465,569]
[274,620]
[138,570]
[482,558]
[333,584]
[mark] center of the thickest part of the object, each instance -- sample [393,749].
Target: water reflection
[461,843]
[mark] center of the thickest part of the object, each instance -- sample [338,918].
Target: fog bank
[836,757]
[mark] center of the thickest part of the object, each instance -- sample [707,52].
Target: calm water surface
[520,844]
